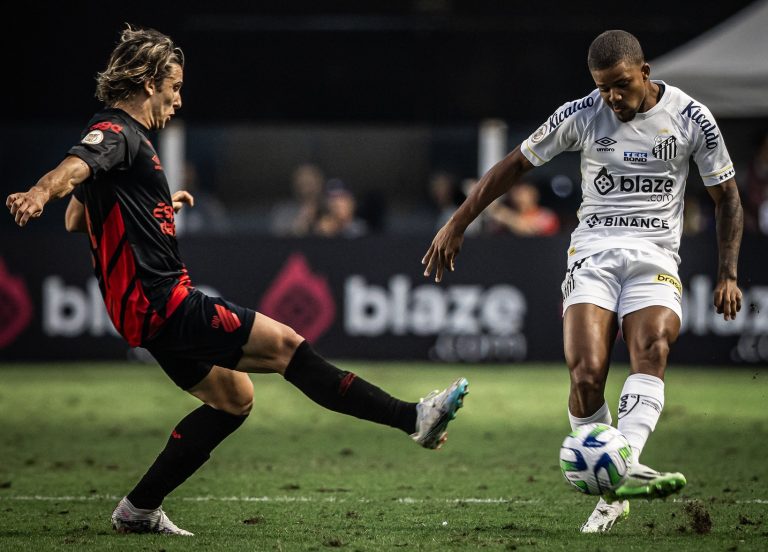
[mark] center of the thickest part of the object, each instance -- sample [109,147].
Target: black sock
[188,448]
[344,392]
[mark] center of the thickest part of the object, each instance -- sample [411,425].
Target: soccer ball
[595,458]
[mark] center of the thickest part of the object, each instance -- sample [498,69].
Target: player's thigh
[589,332]
[270,346]
[225,389]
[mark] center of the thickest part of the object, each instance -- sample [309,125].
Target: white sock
[642,400]
[602,416]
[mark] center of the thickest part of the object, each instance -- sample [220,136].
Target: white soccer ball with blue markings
[595,458]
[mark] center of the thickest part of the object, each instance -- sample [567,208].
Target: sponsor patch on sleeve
[671,280]
[94,137]
[540,133]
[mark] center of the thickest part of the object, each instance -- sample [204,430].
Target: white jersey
[633,174]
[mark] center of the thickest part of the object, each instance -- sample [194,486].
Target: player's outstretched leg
[128,519]
[347,393]
[606,515]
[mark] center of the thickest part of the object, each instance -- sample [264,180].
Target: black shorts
[203,331]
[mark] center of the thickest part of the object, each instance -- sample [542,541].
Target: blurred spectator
[373,209]
[695,219]
[444,195]
[756,205]
[339,218]
[519,212]
[208,216]
[298,215]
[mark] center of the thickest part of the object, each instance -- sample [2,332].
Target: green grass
[81,435]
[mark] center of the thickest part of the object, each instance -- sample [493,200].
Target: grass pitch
[75,438]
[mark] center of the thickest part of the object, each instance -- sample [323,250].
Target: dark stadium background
[437,61]
[269,85]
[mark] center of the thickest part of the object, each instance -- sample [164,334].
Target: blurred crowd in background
[316,203]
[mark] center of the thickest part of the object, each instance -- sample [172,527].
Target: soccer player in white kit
[635,136]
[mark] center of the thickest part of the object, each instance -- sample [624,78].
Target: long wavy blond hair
[140,55]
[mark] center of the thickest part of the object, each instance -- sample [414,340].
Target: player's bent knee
[587,379]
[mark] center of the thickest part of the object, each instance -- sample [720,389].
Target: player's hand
[26,205]
[727,298]
[443,251]
[181,198]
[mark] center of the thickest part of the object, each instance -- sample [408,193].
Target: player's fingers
[10,200]
[738,301]
[427,256]
[26,215]
[16,203]
[430,261]
[726,310]
[718,301]
[21,216]
[439,267]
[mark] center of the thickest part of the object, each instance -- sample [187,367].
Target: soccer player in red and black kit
[205,344]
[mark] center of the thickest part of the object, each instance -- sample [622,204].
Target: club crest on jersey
[604,181]
[664,147]
[94,137]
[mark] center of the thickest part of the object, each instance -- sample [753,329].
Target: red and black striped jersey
[131,226]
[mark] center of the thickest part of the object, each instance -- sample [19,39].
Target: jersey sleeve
[103,147]
[559,133]
[709,153]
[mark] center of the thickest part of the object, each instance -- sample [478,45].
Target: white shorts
[623,281]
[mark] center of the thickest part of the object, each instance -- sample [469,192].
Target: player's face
[624,88]
[167,98]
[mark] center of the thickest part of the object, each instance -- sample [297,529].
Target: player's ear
[149,86]
[646,71]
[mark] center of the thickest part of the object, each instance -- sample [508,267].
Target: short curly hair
[612,47]
[140,55]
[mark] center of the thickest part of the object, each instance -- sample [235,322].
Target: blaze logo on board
[300,299]
[15,306]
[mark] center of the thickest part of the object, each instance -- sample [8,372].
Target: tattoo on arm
[729,218]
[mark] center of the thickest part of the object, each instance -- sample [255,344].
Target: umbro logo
[605,143]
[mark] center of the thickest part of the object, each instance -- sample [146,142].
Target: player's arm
[54,185]
[729,218]
[497,181]
[74,218]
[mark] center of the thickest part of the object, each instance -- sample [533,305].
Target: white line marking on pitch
[285,498]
